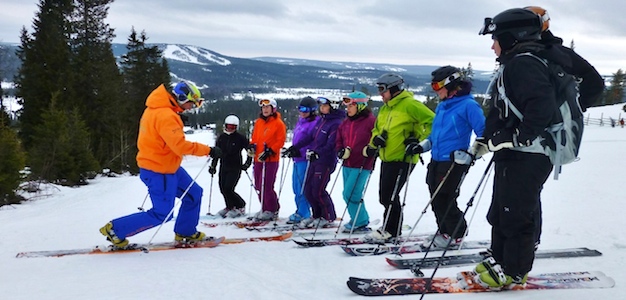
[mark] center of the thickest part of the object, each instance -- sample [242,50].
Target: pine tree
[143,70]
[45,57]
[98,80]
[11,163]
[615,93]
[62,154]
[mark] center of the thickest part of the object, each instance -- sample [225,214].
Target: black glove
[412,146]
[479,147]
[216,152]
[380,140]
[504,139]
[266,154]
[251,150]
[247,164]
[312,155]
[369,151]
[291,152]
[212,170]
[344,153]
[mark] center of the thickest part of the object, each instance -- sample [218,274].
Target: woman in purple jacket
[322,158]
[302,131]
[355,133]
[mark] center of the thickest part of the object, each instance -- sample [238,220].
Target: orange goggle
[265,102]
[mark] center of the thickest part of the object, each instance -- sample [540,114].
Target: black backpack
[562,138]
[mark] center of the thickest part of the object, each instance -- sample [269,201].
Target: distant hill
[224,75]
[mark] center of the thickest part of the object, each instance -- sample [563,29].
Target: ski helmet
[266,102]
[334,104]
[307,104]
[390,81]
[513,26]
[541,12]
[186,91]
[447,76]
[358,98]
[231,123]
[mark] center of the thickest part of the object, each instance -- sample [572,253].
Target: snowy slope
[583,208]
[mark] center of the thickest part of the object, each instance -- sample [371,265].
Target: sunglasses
[306,109]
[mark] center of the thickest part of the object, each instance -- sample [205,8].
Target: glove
[216,152]
[414,147]
[380,140]
[212,170]
[504,139]
[479,147]
[291,152]
[251,150]
[344,153]
[369,151]
[247,164]
[266,154]
[312,155]
[462,157]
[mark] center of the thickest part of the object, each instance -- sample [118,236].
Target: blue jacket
[322,140]
[455,118]
[304,131]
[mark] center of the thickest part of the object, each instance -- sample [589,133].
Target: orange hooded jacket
[271,132]
[161,140]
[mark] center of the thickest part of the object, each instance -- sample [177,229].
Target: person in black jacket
[522,86]
[232,143]
[591,84]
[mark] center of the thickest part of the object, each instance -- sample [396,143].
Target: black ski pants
[444,204]
[393,176]
[518,181]
[228,181]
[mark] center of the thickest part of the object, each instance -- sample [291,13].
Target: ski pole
[181,199]
[350,197]
[144,202]
[334,182]
[406,189]
[213,165]
[416,270]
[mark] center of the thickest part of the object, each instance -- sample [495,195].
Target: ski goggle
[187,93]
[306,109]
[441,84]
[382,89]
[265,102]
[230,126]
[323,100]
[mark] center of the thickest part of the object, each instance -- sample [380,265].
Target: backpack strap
[502,91]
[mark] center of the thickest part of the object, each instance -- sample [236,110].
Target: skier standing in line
[353,135]
[307,110]
[323,161]
[162,144]
[232,143]
[455,117]
[523,83]
[268,137]
[401,123]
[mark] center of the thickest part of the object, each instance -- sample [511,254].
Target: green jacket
[402,117]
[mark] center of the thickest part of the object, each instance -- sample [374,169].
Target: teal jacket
[402,117]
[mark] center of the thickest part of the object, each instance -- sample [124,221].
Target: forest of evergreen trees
[81,108]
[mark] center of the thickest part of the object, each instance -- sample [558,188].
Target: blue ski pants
[354,180]
[303,208]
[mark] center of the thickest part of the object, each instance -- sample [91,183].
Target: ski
[463,283]
[109,249]
[474,258]
[350,241]
[242,223]
[363,250]
[282,237]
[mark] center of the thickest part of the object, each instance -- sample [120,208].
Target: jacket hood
[161,98]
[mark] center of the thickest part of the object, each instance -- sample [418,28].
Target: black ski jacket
[231,145]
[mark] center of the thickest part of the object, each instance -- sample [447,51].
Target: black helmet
[447,76]
[307,104]
[390,81]
[512,26]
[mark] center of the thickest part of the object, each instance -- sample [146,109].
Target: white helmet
[231,120]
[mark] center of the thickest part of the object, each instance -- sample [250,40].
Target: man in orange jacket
[268,137]
[162,144]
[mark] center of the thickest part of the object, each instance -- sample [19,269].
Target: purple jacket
[304,131]
[322,138]
[355,132]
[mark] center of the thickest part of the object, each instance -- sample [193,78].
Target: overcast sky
[384,31]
